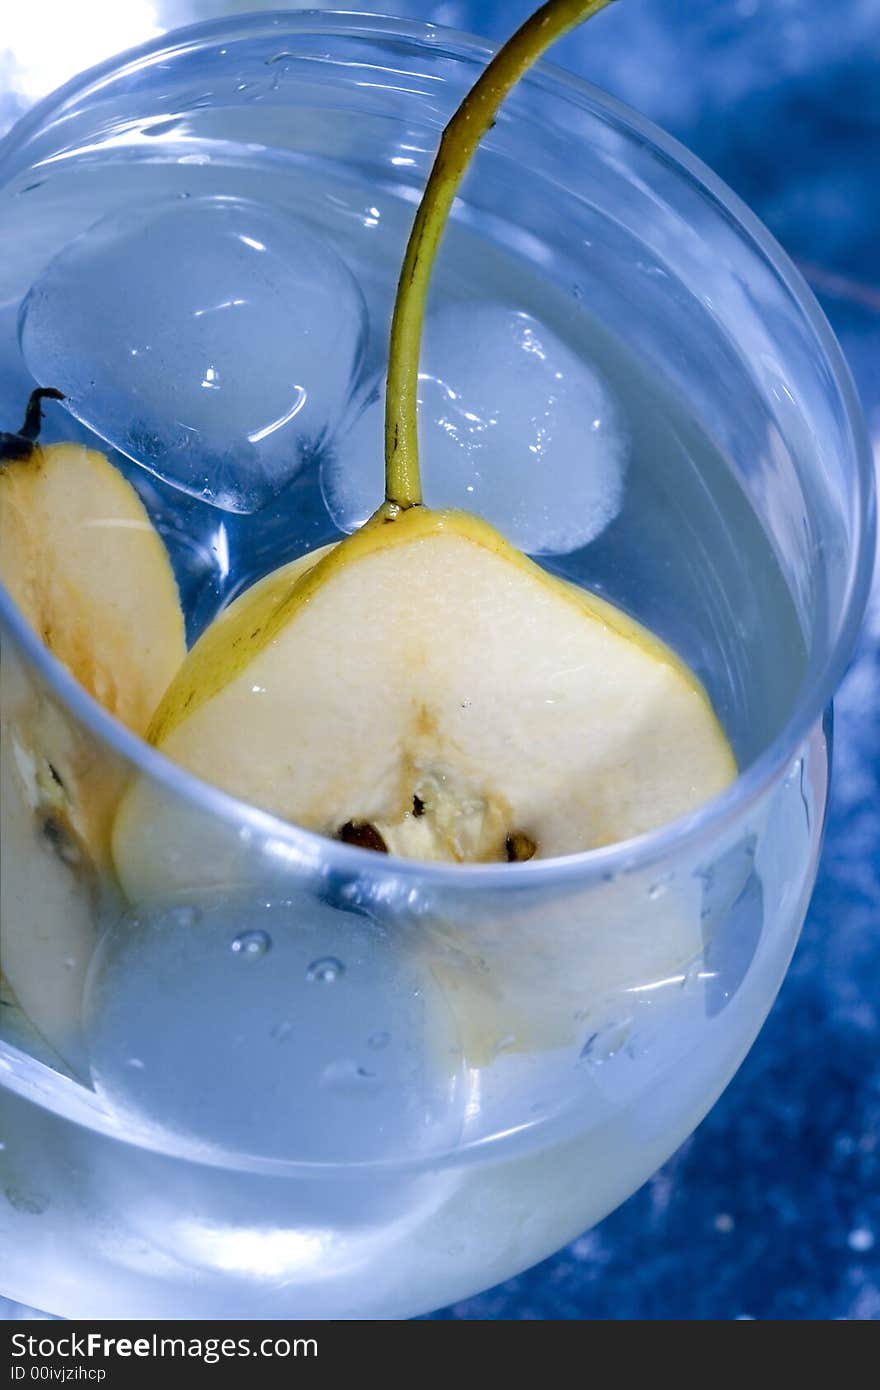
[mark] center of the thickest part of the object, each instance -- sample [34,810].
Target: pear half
[426,680]
[89,572]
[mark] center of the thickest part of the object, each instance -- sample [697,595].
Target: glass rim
[308,849]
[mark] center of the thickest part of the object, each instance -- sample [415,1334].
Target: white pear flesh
[89,572]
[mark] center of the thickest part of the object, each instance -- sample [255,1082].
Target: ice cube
[252,1026]
[214,340]
[513,425]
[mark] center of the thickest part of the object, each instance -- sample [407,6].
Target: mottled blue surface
[772,1209]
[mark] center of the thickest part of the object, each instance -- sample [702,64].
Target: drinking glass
[311,1081]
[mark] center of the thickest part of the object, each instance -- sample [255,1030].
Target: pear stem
[460,139]
[22,444]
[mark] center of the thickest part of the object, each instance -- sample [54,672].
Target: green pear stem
[460,139]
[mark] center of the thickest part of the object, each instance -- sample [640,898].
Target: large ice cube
[513,425]
[215,340]
[289,1030]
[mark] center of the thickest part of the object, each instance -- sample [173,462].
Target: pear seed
[363,834]
[519,847]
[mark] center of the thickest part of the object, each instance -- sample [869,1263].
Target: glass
[313,1081]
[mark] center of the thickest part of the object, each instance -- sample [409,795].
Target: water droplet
[350,1078]
[378,1041]
[325,971]
[253,945]
[135,1063]
[2,1146]
[659,887]
[606,1043]
[70,963]
[281,1032]
[504,1044]
[185,916]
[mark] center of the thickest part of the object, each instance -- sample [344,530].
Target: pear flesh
[88,571]
[425,680]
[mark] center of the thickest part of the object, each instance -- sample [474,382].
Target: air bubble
[252,945]
[350,1078]
[378,1041]
[325,971]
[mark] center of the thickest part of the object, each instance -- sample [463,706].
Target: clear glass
[311,1081]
